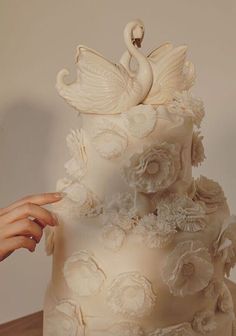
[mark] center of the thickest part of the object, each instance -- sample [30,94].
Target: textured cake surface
[142,248]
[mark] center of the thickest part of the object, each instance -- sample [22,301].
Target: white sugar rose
[65,320]
[154,169]
[82,274]
[204,322]
[152,234]
[209,192]
[188,268]
[183,329]
[197,152]
[180,211]
[131,294]
[140,120]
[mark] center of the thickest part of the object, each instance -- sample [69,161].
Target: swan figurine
[171,72]
[103,87]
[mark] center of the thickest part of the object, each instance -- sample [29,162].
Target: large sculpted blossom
[82,274]
[154,169]
[140,120]
[65,320]
[209,192]
[188,268]
[131,294]
[180,211]
[183,329]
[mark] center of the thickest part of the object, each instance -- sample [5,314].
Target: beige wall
[37,38]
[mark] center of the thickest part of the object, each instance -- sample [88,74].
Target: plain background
[37,39]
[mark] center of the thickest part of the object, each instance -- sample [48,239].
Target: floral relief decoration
[140,120]
[83,274]
[225,244]
[185,105]
[181,212]
[204,322]
[131,294]
[109,139]
[209,192]
[76,167]
[79,199]
[188,268]
[65,320]
[118,218]
[154,169]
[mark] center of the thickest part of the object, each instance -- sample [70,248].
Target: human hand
[22,222]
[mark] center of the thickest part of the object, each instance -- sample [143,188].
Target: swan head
[135,29]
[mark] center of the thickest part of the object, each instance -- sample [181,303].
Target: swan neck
[144,73]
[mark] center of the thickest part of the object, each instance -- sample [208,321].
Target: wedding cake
[141,247]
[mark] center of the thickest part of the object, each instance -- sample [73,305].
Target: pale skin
[23,221]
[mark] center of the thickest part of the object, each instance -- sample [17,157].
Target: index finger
[39,199]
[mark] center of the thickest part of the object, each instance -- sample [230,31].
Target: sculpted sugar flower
[188,268]
[154,169]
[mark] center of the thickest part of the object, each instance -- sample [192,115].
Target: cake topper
[103,87]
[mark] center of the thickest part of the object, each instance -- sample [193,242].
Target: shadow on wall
[24,149]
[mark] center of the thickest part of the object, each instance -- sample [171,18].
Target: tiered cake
[142,248]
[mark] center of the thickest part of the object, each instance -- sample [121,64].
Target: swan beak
[138,41]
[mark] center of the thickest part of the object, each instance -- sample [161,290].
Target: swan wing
[101,87]
[159,52]
[168,73]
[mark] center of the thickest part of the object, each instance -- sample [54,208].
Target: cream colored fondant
[142,248]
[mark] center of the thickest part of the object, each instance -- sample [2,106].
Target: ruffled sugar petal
[140,120]
[82,274]
[108,138]
[188,268]
[154,169]
[131,294]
